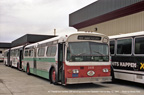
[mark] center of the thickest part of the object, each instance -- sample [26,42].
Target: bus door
[60,62]
[35,62]
[20,59]
[8,57]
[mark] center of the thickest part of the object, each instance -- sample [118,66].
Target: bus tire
[28,69]
[53,76]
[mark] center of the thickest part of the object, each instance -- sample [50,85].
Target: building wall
[127,24]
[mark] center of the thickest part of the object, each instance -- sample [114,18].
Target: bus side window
[112,47]
[124,46]
[12,53]
[26,52]
[48,51]
[17,52]
[139,45]
[53,51]
[31,53]
[41,51]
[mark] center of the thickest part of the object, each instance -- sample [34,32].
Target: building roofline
[134,8]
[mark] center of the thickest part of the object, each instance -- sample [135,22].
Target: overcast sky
[20,17]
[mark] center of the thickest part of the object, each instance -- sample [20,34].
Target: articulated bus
[16,56]
[70,59]
[127,52]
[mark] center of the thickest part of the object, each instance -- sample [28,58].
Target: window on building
[112,47]
[124,46]
[139,45]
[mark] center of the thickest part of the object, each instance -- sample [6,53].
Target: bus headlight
[105,70]
[75,71]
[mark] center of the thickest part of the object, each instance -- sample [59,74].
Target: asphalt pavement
[15,82]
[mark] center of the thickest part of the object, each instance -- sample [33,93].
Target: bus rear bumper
[88,80]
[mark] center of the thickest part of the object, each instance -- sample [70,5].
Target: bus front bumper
[88,80]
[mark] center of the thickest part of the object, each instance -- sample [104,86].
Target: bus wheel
[28,69]
[53,76]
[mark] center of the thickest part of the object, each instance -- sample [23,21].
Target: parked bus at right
[127,52]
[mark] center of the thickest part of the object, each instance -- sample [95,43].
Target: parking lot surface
[15,82]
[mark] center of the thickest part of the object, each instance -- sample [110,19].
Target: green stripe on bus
[40,59]
[44,74]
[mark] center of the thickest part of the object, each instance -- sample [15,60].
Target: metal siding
[127,24]
[98,8]
[30,38]
[36,38]
[19,41]
[5,45]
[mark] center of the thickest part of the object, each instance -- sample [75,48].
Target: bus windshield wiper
[98,53]
[81,53]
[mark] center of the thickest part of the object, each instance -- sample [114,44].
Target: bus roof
[63,38]
[18,47]
[127,35]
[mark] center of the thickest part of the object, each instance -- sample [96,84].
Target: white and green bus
[70,59]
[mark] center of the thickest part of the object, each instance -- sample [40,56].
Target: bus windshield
[87,51]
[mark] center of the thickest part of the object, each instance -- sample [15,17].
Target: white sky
[20,17]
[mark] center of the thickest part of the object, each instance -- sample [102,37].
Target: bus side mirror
[67,45]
